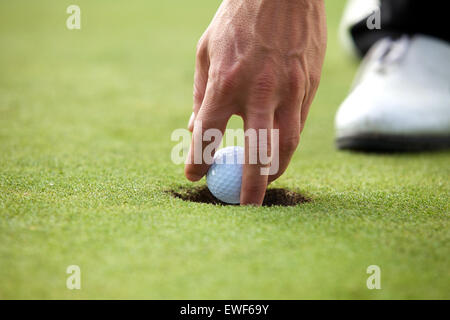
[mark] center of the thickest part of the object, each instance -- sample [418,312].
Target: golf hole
[273,197]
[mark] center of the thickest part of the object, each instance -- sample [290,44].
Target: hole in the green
[273,197]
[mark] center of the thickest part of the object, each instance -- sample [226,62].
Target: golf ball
[224,177]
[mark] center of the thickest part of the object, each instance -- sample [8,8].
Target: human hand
[261,60]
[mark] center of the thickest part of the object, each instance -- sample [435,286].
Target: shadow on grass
[273,197]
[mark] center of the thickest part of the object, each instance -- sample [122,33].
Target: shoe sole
[392,143]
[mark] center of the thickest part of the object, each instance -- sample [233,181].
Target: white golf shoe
[400,100]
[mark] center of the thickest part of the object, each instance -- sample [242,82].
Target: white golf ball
[224,177]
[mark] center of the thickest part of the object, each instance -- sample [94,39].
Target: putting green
[85,123]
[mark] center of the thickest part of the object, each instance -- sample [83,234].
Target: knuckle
[314,80]
[295,81]
[289,144]
[224,79]
[200,53]
[201,49]
[265,84]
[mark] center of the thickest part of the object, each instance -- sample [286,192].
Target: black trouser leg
[400,17]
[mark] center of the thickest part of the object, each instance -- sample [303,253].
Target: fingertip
[192,176]
[253,193]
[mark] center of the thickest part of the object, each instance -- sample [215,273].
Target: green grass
[85,124]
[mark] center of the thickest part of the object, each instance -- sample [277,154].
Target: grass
[85,124]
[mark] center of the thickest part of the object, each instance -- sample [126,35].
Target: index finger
[212,118]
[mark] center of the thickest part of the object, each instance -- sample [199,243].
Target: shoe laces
[385,55]
[394,52]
